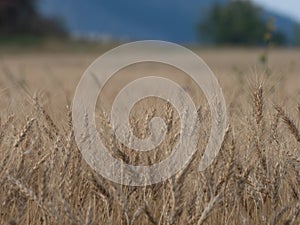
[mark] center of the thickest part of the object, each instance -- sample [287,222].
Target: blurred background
[205,22]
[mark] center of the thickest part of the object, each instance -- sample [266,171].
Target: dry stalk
[289,122]
[208,209]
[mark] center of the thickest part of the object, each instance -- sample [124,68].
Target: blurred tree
[297,35]
[238,22]
[20,17]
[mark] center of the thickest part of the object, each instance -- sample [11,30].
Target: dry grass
[255,179]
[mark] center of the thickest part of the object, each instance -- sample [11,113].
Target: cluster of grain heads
[254,179]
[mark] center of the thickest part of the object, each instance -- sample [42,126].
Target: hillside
[172,20]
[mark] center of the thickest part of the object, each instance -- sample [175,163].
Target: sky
[289,8]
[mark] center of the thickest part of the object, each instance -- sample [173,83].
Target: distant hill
[170,20]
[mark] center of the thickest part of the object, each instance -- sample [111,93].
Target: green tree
[238,22]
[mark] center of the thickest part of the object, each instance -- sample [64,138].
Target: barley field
[254,180]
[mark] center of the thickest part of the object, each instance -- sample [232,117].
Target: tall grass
[255,178]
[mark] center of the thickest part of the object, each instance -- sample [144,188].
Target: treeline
[241,22]
[21,18]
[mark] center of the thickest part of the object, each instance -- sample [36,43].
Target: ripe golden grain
[255,178]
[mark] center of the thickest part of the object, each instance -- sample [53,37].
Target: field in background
[62,70]
[254,180]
